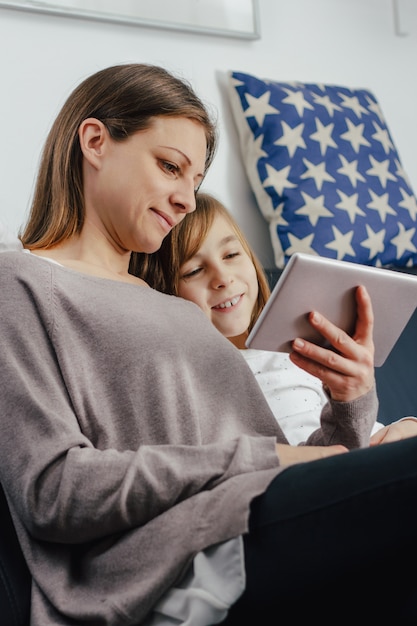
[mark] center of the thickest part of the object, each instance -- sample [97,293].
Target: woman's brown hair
[125,98]
[161,269]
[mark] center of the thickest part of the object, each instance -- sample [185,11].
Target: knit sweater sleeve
[64,484]
[347,423]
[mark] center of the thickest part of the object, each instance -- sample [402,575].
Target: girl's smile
[228,304]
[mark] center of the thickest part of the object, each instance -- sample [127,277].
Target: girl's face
[221,279]
[139,188]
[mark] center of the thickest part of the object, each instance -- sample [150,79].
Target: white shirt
[295,397]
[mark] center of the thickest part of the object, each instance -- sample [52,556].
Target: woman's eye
[170,167]
[231,255]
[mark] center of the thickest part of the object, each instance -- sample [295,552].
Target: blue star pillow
[325,171]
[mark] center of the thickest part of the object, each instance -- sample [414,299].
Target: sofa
[15,580]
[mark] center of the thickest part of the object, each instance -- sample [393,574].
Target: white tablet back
[325,285]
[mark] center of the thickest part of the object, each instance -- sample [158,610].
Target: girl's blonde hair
[162,268]
[125,98]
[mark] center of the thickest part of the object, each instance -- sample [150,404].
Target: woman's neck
[92,257]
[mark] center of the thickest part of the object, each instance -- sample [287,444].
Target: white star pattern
[382,136]
[259,107]
[399,171]
[381,204]
[323,157]
[301,245]
[277,178]
[278,221]
[350,205]
[374,108]
[380,169]
[409,202]
[403,240]
[323,136]
[341,243]
[354,135]
[317,172]
[296,98]
[374,242]
[292,138]
[314,208]
[350,170]
[352,102]
[325,101]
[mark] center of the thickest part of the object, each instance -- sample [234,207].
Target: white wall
[346,42]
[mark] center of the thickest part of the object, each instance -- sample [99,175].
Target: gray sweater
[133,435]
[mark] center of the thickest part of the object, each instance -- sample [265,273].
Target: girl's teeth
[229,303]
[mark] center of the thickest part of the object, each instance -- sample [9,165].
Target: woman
[125,458]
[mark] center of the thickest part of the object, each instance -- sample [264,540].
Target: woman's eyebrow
[179,152]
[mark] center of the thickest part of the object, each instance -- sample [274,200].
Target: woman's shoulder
[12,258]
[20,273]
[17,259]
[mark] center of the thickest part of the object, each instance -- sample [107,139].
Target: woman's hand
[290,455]
[402,429]
[347,372]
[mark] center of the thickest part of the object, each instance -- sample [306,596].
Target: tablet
[310,282]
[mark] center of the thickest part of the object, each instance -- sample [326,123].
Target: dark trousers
[335,540]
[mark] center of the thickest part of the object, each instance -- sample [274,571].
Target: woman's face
[139,188]
[221,279]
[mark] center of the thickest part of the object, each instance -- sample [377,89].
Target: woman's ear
[92,135]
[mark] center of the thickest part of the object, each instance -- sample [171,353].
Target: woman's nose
[184,197]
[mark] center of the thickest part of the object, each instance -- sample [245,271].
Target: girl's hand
[290,455]
[402,429]
[347,372]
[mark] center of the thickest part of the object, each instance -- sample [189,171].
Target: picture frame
[227,18]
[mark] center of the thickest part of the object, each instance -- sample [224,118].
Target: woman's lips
[165,221]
